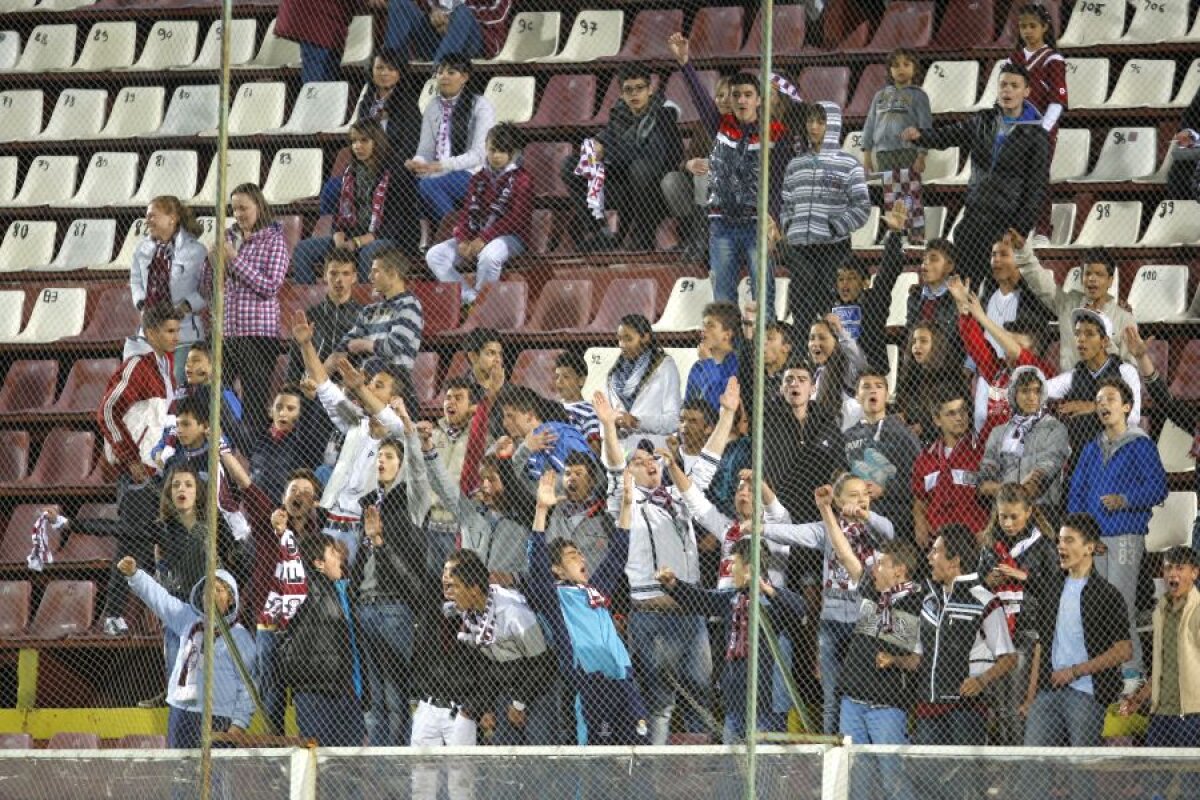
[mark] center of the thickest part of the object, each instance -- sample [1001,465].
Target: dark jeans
[635,192]
[1182,731]
[183,728]
[958,778]
[319,63]
[973,240]
[813,270]
[252,358]
[387,642]
[333,720]
[408,25]
[137,510]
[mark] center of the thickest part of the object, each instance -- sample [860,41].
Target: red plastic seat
[543,161]
[871,80]
[97,511]
[16,741]
[142,741]
[74,741]
[85,386]
[293,229]
[14,456]
[904,24]
[65,459]
[844,25]
[677,92]
[824,83]
[542,231]
[624,296]
[84,548]
[501,306]
[17,543]
[459,365]
[535,369]
[14,608]
[647,39]
[1008,37]
[441,305]
[28,386]
[561,305]
[716,32]
[295,297]
[424,377]
[566,100]
[1186,384]
[113,318]
[788,27]
[966,24]
[67,609]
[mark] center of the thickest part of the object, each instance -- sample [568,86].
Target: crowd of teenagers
[957,559]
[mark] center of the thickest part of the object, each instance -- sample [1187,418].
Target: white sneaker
[116,626]
[1040,241]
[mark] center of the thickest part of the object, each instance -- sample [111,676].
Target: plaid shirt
[252,282]
[394,327]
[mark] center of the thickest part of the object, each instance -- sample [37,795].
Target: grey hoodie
[1010,456]
[825,196]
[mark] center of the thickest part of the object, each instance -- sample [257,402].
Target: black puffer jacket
[315,651]
[396,570]
[652,136]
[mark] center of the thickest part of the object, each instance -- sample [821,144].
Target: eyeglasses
[635,88]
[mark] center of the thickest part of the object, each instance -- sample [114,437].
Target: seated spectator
[643,385]
[449,434]
[946,473]
[929,367]
[719,324]
[570,374]
[333,316]
[231,703]
[541,431]
[453,145]
[367,212]
[390,329]
[625,167]
[432,30]
[837,360]
[496,218]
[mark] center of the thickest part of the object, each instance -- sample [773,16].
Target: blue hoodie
[1130,466]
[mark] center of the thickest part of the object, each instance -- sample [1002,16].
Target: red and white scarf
[482,215]
[864,549]
[883,606]
[905,184]
[41,554]
[186,685]
[739,628]
[158,275]
[592,168]
[347,217]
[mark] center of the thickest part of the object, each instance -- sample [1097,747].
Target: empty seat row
[30,386]
[67,458]
[66,609]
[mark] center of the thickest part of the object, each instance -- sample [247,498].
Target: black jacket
[806,457]
[184,555]
[315,651]
[330,324]
[399,564]
[653,136]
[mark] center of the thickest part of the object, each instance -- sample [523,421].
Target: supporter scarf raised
[883,606]
[739,625]
[592,168]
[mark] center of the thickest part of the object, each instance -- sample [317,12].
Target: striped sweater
[394,327]
[824,196]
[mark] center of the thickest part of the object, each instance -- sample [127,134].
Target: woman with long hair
[643,385]
[926,367]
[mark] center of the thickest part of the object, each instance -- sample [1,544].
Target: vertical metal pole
[217,311]
[762,275]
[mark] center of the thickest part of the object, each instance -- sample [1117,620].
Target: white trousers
[433,726]
[444,262]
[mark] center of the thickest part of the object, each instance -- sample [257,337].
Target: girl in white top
[643,386]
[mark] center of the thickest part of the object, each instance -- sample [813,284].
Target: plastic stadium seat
[168,45]
[957,219]
[562,304]
[865,237]
[716,32]
[1190,85]
[295,174]
[48,180]
[359,41]
[531,35]
[459,365]
[87,242]
[543,160]
[14,463]
[940,165]
[684,358]
[566,100]
[110,180]
[26,244]
[1175,222]
[87,380]
[852,144]
[16,741]
[1071,154]
[66,609]
[687,299]
[991,88]
[441,304]
[74,741]
[1185,385]
[83,548]
[935,222]
[1157,21]
[208,231]
[595,33]
[870,81]
[344,129]
[1111,224]
[15,599]
[951,85]
[242,166]
[12,305]
[1087,81]
[677,92]
[8,179]
[1062,223]
[647,38]
[898,310]
[966,24]
[167,172]
[1094,23]
[78,114]
[501,306]
[65,459]
[192,109]
[960,178]
[1128,153]
[1171,523]
[424,377]
[904,24]
[256,107]
[10,49]
[1159,176]
[124,257]
[319,106]
[1142,83]
[62,5]
[142,741]
[22,117]
[57,313]
[241,45]
[136,111]
[1159,292]
[788,24]
[541,231]
[108,46]
[28,386]
[600,361]
[624,296]
[831,84]
[1175,448]
[744,295]
[534,369]
[49,47]
[274,52]
[512,97]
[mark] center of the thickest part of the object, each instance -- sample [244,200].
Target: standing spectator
[1118,480]
[389,330]
[719,323]
[696,421]
[686,189]
[541,431]
[570,375]
[256,263]
[495,221]
[292,441]
[929,367]
[643,385]
[450,437]
[580,515]
[945,475]
[1010,151]
[320,27]
[836,360]
[367,210]
[334,315]
[434,29]
[1005,294]
[453,144]
[777,353]
[197,383]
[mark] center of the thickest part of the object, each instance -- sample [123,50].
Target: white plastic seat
[62,5]
[685,358]
[109,45]
[1111,223]
[78,114]
[1193,34]
[594,34]
[57,313]
[1159,292]
[345,128]
[600,361]
[20,114]
[960,178]
[852,144]
[319,106]
[898,308]
[951,85]
[1190,85]
[1174,222]
[1128,153]
[360,39]
[1171,523]
[962,210]
[124,258]
[193,109]
[1071,154]
[687,299]
[136,111]
[991,88]
[87,242]
[940,165]
[10,49]
[1094,23]
[8,179]
[274,52]
[256,107]
[865,237]
[1087,82]
[208,231]
[935,222]
[49,47]
[169,45]
[512,97]
[893,357]
[167,172]
[1142,83]
[26,244]
[1175,448]
[49,179]
[296,174]
[745,295]
[531,35]
[110,180]
[241,45]
[1157,21]
[1062,224]
[242,166]
[1160,175]
[12,307]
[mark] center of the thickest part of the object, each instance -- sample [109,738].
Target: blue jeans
[333,720]
[730,246]
[407,25]
[832,639]
[387,641]
[331,191]
[867,724]
[960,727]
[309,257]
[319,63]
[441,194]
[1062,718]
[670,650]
[1182,731]
[271,688]
[183,728]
